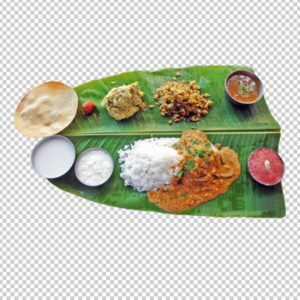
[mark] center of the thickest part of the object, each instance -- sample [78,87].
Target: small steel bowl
[43,141]
[281,161]
[92,149]
[243,72]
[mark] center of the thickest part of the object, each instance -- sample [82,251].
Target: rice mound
[149,164]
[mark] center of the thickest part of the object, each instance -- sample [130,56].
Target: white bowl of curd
[94,167]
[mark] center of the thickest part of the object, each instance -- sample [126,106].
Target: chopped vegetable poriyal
[182,101]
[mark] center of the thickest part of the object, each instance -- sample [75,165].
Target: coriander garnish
[200,152]
[244,89]
[207,146]
[190,165]
[179,173]
[206,159]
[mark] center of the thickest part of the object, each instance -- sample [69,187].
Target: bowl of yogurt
[94,167]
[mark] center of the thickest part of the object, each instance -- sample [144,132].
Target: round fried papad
[46,110]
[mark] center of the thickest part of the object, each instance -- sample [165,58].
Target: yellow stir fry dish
[124,101]
[182,101]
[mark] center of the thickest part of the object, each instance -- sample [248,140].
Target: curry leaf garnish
[184,194]
[175,196]
[179,147]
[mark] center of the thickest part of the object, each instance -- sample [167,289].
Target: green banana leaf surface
[243,130]
[223,116]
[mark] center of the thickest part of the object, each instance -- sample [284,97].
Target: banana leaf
[223,116]
[245,198]
[242,129]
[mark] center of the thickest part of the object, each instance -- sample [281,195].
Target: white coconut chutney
[94,167]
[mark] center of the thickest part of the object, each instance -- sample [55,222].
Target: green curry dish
[244,89]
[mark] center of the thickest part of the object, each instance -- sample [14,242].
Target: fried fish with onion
[204,173]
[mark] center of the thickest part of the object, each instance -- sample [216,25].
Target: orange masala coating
[204,173]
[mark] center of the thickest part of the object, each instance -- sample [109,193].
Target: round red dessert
[266,166]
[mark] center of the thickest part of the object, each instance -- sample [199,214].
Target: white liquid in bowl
[94,167]
[54,157]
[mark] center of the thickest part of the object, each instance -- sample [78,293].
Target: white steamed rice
[149,164]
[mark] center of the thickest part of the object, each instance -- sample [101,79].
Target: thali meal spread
[266,166]
[46,110]
[244,88]
[177,174]
[124,101]
[182,100]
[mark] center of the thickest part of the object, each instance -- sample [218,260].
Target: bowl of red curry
[243,88]
[266,166]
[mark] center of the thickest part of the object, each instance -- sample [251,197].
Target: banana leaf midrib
[169,132]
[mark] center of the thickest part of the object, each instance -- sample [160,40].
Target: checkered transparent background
[55,245]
